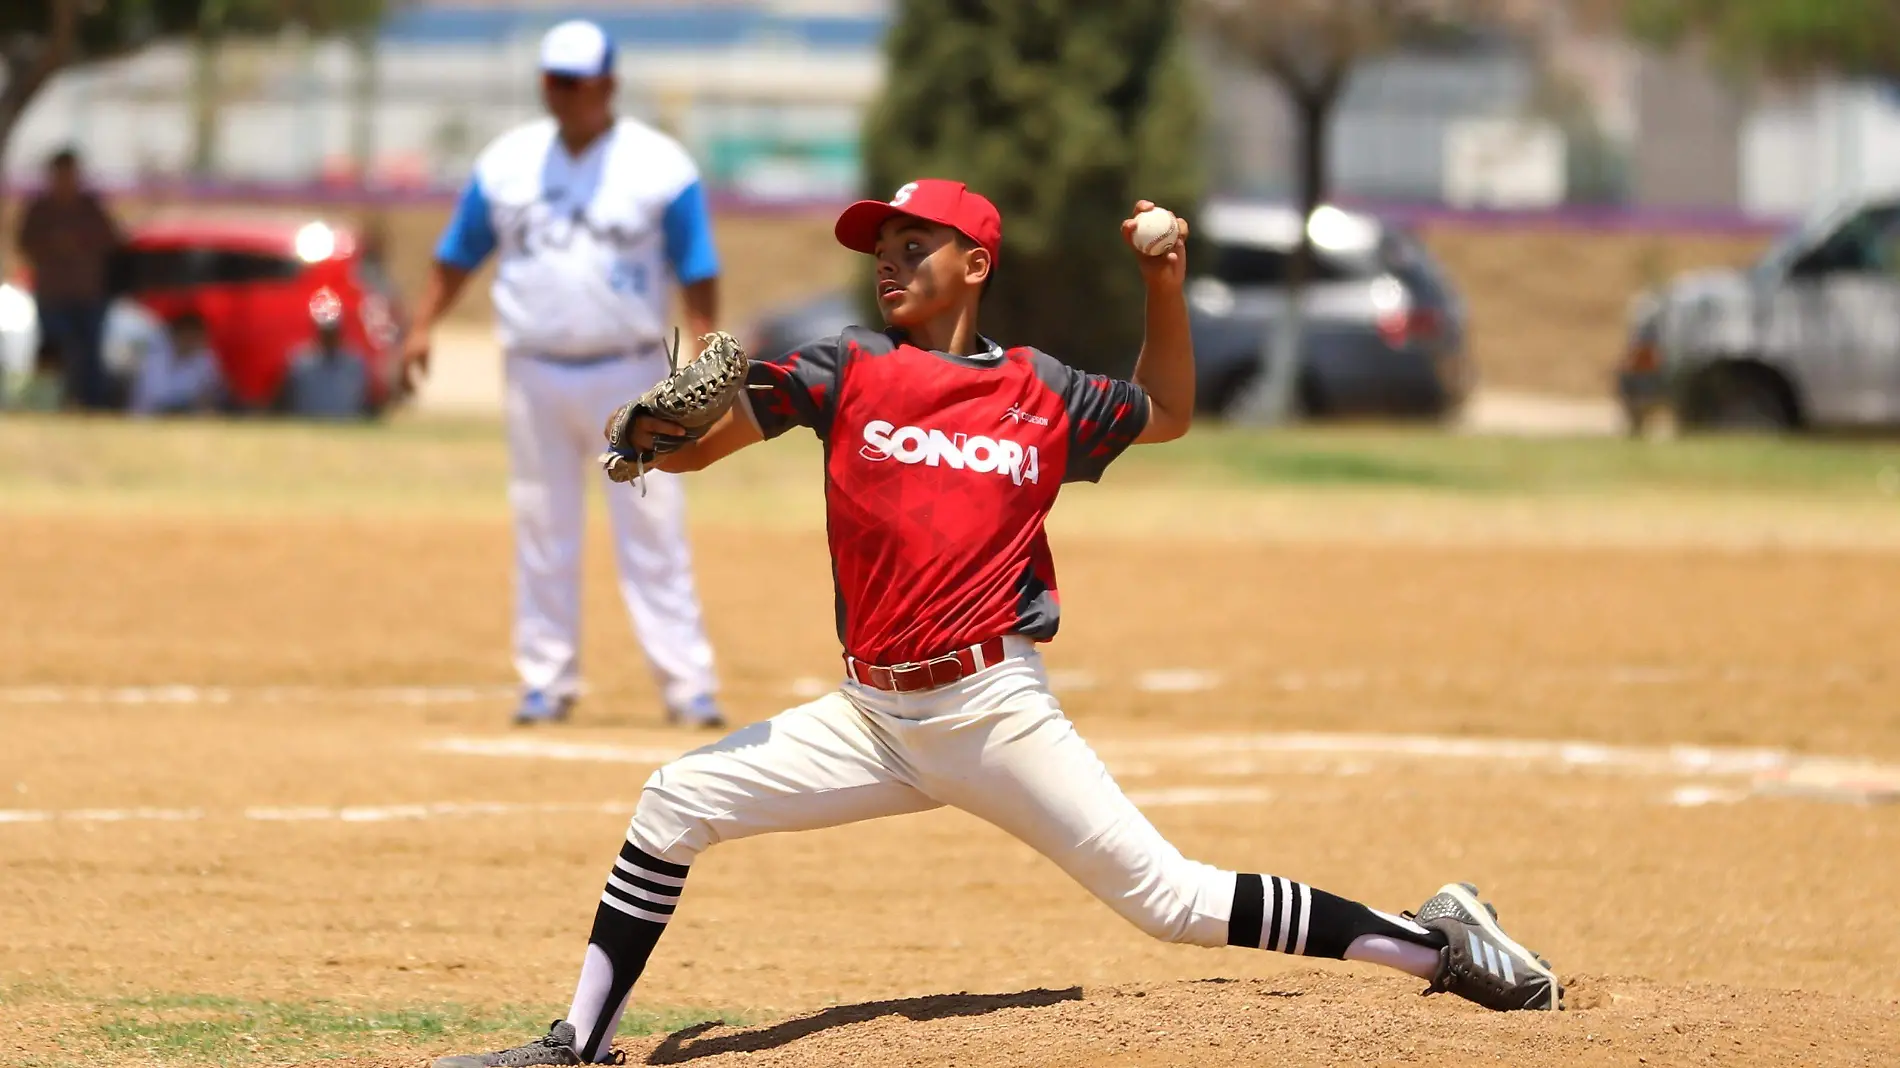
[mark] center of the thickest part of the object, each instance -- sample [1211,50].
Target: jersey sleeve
[689,237]
[470,237]
[1105,416]
[803,388]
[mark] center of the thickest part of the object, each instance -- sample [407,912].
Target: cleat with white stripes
[1481,963]
[557,1047]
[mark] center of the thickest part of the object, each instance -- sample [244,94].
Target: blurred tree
[1310,47]
[39,38]
[1779,37]
[1064,112]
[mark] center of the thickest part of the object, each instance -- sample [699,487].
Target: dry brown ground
[1547,305]
[1751,933]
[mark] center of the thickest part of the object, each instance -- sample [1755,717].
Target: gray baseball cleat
[1481,963]
[556,1047]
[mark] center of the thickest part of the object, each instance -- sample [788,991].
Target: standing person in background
[587,214]
[69,239]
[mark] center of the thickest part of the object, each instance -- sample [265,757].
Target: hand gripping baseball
[691,398]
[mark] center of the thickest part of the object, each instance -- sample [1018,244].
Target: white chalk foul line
[544,749]
[1176,680]
[1183,796]
[226,695]
[431,810]
[1165,680]
[101,815]
[1764,771]
[1504,753]
[318,813]
[1507,754]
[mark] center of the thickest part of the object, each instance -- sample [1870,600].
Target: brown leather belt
[925,674]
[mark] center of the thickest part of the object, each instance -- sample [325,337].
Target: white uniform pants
[996,745]
[555,415]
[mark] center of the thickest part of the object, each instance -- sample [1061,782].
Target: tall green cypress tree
[1063,112]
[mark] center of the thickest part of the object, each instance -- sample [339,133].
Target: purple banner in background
[1589,218]
[352,197]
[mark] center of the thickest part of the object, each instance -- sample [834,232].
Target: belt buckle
[901,673]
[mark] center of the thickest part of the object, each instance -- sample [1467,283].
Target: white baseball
[1156,232]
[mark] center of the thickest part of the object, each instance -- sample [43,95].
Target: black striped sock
[1290,917]
[642,892]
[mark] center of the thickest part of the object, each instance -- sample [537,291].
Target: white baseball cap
[578,48]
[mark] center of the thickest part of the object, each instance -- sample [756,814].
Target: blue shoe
[538,707]
[701,711]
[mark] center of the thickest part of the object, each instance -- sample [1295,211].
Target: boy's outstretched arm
[1165,368]
[734,431]
[731,432]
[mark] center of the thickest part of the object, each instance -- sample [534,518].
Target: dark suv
[1382,330]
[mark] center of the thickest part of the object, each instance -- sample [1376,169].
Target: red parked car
[252,281]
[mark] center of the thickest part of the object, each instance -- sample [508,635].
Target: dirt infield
[257,804]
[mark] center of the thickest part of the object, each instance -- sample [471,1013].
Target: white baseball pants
[996,745]
[555,415]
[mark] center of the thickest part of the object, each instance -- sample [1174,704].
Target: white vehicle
[1807,338]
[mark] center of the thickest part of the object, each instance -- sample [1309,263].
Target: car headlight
[315,242]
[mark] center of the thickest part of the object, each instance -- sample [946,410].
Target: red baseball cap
[932,200]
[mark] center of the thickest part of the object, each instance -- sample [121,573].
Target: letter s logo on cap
[902,196]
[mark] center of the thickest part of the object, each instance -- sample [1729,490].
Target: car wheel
[1739,399]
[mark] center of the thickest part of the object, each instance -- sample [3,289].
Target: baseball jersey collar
[991,356]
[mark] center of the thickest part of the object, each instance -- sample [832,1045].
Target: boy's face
[923,271]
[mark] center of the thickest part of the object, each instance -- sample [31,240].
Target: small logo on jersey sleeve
[963,452]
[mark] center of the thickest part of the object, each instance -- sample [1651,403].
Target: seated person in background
[178,373]
[328,378]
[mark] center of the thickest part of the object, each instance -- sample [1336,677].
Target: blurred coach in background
[69,239]
[588,215]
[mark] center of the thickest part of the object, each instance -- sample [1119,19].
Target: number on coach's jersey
[628,278]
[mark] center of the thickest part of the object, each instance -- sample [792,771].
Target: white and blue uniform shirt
[584,243]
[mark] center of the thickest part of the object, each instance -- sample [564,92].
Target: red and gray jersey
[939,472]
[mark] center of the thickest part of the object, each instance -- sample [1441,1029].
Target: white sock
[1408,957]
[591,994]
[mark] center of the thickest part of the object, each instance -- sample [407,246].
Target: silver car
[1809,337]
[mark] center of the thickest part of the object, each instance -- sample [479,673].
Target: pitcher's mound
[1305,1019]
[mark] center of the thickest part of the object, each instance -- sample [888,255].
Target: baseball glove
[692,397]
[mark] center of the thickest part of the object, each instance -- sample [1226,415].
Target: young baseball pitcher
[944,452]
